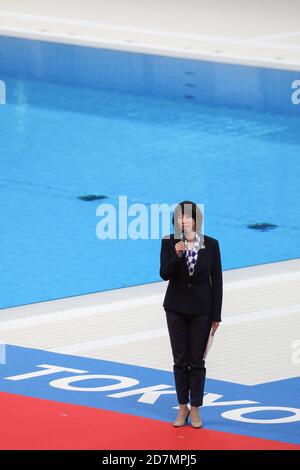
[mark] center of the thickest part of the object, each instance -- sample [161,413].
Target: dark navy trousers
[188,337]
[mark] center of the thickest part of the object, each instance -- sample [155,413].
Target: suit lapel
[199,256]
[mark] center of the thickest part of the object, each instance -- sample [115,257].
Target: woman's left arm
[217,287]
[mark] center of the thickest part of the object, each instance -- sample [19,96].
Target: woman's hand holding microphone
[180,248]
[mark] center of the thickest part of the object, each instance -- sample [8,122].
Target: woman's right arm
[169,265]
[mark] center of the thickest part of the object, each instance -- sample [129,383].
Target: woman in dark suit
[191,262]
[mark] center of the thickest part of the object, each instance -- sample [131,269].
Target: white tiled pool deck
[254,344]
[256,32]
[261,322]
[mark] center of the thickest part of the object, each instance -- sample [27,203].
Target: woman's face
[186,222]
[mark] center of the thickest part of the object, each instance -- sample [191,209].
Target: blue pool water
[61,140]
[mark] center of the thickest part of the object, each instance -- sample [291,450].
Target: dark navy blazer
[200,293]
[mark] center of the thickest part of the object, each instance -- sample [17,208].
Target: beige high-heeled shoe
[196,423]
[181,422]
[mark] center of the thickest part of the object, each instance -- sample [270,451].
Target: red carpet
[31,423]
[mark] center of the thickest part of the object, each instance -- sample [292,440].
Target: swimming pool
[82,121]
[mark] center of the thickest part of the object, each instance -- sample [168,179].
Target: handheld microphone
[183,240]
